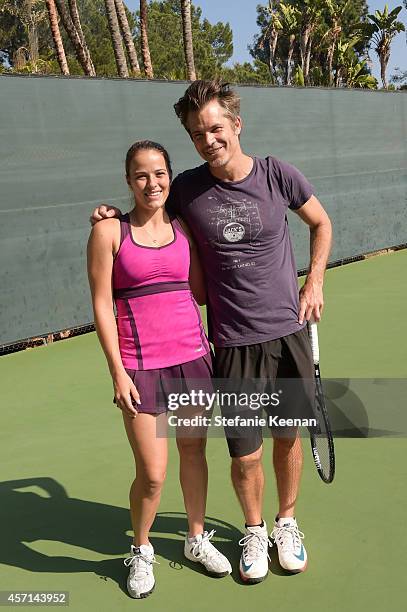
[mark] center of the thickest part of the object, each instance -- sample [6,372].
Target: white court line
[95,202]
[122,199]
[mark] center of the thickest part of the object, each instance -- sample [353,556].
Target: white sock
[284,520]
[193,539]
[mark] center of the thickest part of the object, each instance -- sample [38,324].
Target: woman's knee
[152,481]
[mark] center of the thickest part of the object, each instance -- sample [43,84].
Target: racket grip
[313,334]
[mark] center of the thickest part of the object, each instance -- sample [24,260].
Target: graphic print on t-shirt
[236,220]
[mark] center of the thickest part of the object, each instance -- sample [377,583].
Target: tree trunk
[303,46]
[116,39]
[273,37]
[187,35]
[338,76]
[32,32]
[273,45]
[145,50]
[56,36]
[329,60]
[127,37]
[335,34]
[307,61]
[73,9]
[289,58]
[20,58]
[81,50]
[33,42]
[384,60]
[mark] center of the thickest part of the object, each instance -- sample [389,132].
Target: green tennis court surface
[66,468]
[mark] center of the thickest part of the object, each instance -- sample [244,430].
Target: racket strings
[323,453]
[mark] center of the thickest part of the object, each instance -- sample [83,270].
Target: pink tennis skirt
[154,386]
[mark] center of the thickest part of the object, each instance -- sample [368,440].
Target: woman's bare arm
[101,246]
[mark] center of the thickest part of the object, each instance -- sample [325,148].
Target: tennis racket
[322,444]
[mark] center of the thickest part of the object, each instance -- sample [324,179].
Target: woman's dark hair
[147,145]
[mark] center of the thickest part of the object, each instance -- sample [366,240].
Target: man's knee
[287,441]
[248,464]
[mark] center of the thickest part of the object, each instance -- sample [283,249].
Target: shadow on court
[349,416]
[52,515]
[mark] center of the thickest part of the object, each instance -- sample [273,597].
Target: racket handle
[313,334]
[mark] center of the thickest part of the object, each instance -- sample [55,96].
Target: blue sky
[241,15]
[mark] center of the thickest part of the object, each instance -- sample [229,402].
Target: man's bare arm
[311,295]
[104,211]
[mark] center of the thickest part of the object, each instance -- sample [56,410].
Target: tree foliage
[380,30]
[21,25]
[12,33]
[309,38]
[299,42]
[256,73]
[213,44]
[95,30]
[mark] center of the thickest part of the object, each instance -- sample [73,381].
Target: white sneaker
[140,582]
[200,550]
[291,552]
[254,559]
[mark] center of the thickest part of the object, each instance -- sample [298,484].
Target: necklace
[151,237]
[153,240]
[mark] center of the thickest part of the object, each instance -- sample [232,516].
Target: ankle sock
[258,525]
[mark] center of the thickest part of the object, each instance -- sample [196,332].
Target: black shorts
[284,364]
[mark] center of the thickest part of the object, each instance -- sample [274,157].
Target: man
[236,208]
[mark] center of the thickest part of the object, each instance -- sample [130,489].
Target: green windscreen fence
[62,148]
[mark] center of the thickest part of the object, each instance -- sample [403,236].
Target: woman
[143,261]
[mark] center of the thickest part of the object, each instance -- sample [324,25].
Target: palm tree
[56,36]
[270,34]
[311,13]
[116,39]
[290,20]
[145,49]
[73,9]
[187,35]
[310,20]
[336,10]
[382,29]
[78,43]
[127,37]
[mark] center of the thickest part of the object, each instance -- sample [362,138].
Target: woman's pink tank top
[158,321]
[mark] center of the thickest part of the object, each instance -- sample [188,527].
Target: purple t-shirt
[244,244]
